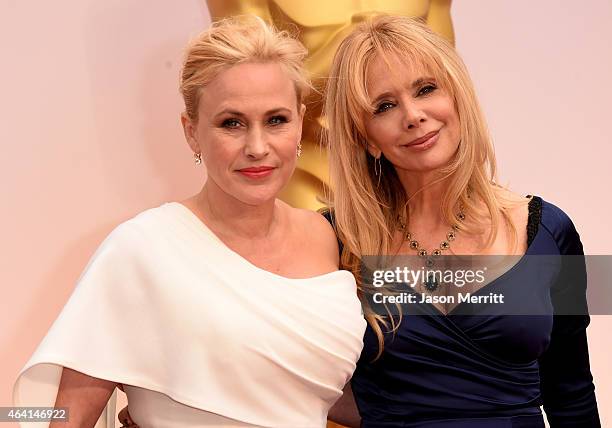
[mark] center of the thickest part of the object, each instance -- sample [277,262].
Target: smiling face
[413,121]
[248,129]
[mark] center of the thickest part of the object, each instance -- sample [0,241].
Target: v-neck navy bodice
[488,371]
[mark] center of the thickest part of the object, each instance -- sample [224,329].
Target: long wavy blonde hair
[367,207]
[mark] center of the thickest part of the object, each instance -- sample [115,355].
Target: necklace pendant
[431,284]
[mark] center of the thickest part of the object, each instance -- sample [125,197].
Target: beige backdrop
[90,133]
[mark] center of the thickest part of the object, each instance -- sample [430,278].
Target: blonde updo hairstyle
[366,206]
[238,40]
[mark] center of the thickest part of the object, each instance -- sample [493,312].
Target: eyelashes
[278,120]
[273,121]
[383,107]
[423,91]
[427,89]
[230,123]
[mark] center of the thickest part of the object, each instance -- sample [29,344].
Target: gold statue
[321,26]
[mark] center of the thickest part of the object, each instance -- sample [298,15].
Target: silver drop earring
[197,158]
[377,167]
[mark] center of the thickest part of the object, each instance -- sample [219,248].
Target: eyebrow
[418,82]
[240,114]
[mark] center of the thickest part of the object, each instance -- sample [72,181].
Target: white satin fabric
[199,335]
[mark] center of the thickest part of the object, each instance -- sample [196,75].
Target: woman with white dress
[234,312]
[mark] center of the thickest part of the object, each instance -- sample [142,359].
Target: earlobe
[374,151]
[187,126]
[190,133]
[301,122]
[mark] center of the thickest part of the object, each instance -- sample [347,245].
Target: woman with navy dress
[413,172]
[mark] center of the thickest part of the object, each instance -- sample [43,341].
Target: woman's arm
[568,393]
[84,396]
[345,411]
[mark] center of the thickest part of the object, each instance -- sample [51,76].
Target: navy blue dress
[490,371]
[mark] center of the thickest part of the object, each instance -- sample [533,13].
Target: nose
[413,116]
[256,146]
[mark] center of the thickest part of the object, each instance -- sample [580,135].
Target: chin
[255,193]
[425,166]
[431,161]
[256,196]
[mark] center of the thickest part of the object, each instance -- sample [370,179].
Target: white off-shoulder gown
[198,335]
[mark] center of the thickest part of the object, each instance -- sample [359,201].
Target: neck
[425,191]
[231,216]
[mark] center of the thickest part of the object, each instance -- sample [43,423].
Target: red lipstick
[257,171]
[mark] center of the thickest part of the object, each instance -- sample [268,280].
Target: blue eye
[427,89]
[383,107]
[277,120]
[230,123]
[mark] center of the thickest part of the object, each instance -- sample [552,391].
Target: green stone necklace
[430,284]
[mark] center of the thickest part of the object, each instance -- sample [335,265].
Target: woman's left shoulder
[551,216]
[559,225]
[315,224]
[516,205]
[555,219]
[554,215]
[314,230]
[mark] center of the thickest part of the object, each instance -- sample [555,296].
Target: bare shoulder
[511,196]
[518,205]
[314,225]
[518,213]
[313,230]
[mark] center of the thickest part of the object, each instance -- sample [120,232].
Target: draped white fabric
[164,305]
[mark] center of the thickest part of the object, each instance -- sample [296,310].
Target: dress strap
[534,218]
